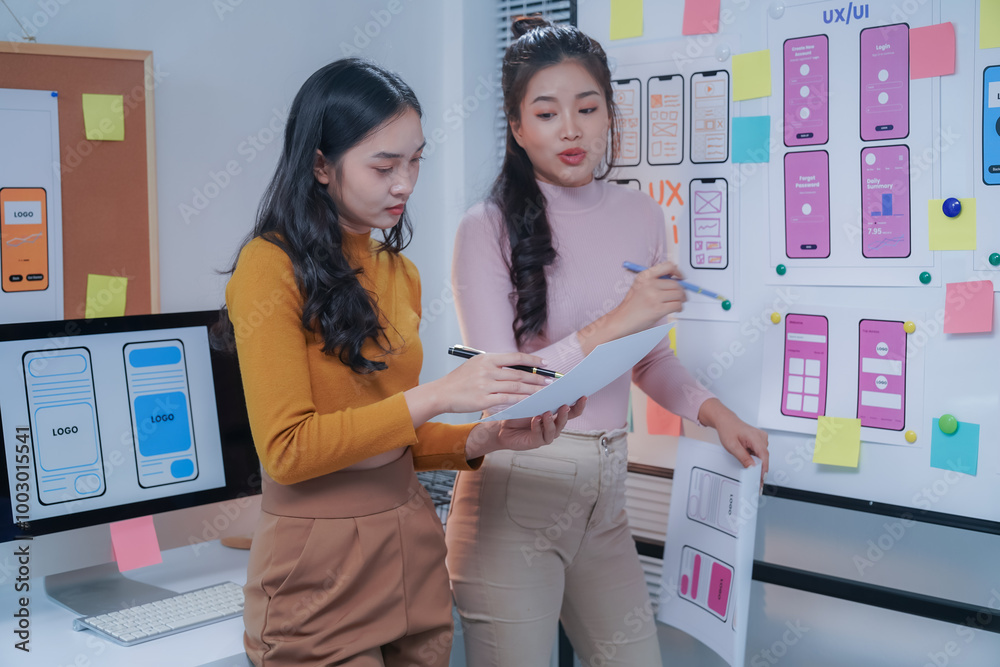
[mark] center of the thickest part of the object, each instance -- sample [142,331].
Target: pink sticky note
[135,543]
[660,421]
[932,51]
[969,307]
[701,17]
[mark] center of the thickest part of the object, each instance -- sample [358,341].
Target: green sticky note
[751,75]
[838,441]
[626,19]
[104,117]
[989,24]
[958,451]
[958,233]
[752,139]
[105,296]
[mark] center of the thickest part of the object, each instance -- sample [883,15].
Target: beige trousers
[535,537]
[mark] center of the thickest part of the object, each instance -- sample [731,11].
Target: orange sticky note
[701,17]
[968,307]
[659,420]
[135,543]
[932,51]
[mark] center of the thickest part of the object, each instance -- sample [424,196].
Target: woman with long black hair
[347,561]
[535,537]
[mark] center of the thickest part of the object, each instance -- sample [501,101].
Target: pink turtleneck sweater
[595,228]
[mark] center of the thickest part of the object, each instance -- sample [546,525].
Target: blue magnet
[951,207]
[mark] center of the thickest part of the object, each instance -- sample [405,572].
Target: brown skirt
[348,569]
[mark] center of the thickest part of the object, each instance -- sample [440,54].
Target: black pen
[468,353]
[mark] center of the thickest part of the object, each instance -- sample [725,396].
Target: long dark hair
[337,107]
[515,192]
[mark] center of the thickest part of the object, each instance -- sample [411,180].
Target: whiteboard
[734,353]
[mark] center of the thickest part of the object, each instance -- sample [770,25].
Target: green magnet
[727,304]
[995,259]
[780,269]
[925,278]
[948,424]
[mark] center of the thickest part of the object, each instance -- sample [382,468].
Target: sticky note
[135,543]
[752,139]
[958,233]
[626,19]
[838,441]
[660,421]
[932,51]
[104,117]
[752,75]
[958,451]
[105,296]
[701,17]
[989,24]
[968,307]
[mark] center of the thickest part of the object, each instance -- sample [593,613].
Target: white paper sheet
[608,362]
[708,555]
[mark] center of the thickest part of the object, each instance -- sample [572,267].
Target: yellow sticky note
[105,296]
[958,233]
[838,441]
[104,117]
[626,19]
[672,335]
[751,75]
[989,24]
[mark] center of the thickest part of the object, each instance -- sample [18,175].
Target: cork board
[108,187]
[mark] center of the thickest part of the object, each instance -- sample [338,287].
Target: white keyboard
[181,612]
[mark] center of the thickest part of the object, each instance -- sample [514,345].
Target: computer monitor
[115,418]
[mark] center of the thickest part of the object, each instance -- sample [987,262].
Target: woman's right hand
[649,300]
[480,383]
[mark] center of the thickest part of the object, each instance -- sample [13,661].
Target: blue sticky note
[958,451]
[752,139]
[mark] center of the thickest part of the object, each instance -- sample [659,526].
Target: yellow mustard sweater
[310,414]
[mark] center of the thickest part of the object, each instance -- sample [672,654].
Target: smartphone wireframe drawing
[803,392]
[24,243]
[885,201]
[709,215]
[885,82]
[706,581]
[882,374]
[807,205]
[710,116]
[806,68]
[628,99]
[666,119]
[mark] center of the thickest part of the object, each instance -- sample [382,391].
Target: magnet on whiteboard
[909,327]
[722,52]
[925,277]
[995,258]
[948,424]
[776,10]
[951,207]
[780,269]
[727,304]
[911,437]
[776,318]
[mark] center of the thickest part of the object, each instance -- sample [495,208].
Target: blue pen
[638,268]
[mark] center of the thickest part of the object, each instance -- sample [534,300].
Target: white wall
[933,560]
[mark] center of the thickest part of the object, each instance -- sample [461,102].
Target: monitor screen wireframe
[115,418]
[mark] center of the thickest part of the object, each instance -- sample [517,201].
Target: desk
[54,643]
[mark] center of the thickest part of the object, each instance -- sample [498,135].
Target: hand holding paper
[607,362]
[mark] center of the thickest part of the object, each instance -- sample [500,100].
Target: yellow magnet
[911,436]
[776,318]
[909,327]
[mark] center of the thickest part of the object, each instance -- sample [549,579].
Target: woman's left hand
[520,434]
[739,438]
